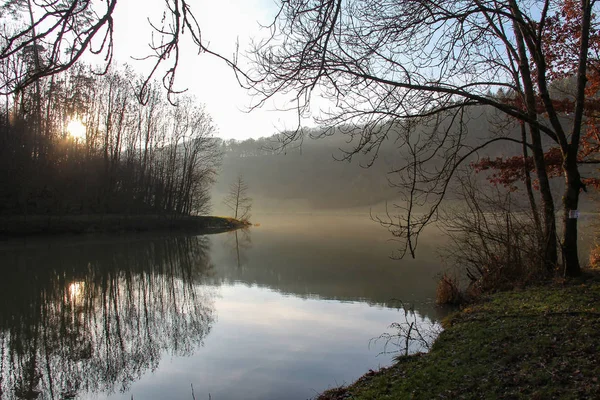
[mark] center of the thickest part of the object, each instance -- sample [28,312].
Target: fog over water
[282,310]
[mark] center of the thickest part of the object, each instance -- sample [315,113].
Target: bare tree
[54,35]
[400,66]
[237,199]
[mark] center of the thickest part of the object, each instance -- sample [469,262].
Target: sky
[222,23]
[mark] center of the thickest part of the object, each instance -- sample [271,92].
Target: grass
[537,343]
[112,223]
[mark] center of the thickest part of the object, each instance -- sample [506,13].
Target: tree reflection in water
[240,240]
[93,317]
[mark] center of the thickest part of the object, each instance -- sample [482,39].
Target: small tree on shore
[237,199]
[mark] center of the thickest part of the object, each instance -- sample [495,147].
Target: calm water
[282,311]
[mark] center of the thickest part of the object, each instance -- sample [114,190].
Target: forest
[84,143]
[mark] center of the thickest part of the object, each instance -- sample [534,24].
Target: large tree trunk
[573,179]
[570,203]
[549,246]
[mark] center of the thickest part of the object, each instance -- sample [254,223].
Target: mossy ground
[537,343]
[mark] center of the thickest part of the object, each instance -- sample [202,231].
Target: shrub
[494,242]
[595,257]
[448,290]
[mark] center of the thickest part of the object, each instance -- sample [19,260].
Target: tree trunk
[528,185]
[570,203]
[573,179]
[549,245]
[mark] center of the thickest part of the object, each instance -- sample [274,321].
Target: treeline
[310,174]
[317,172]
[83,143]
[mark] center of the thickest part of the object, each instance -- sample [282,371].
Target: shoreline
[541,342]
[46,225]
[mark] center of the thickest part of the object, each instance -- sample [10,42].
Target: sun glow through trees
[76,129]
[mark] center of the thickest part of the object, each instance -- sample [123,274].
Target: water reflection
[335,258]
[95,317]
[240,241]
[298,301]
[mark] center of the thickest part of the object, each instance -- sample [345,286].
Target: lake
[284,310]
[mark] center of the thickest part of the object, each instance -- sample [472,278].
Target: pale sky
[222,22]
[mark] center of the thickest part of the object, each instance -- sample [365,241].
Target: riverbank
[79,224]
[538,343]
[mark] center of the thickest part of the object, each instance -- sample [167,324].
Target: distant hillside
[309,176]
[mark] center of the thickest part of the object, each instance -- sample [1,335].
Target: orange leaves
[561,38]
[510,170]
[507,171]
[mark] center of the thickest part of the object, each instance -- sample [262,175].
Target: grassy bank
[78,224]
[538,343]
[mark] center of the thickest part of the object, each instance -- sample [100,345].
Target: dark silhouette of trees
[138,154]
[420,65]
[238,200]
[153,158]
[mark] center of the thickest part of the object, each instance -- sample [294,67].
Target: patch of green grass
[537,343]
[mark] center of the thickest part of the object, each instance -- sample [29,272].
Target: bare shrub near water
[412,335]
[448,290]
[494,243]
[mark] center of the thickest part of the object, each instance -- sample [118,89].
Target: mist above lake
[282,310]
